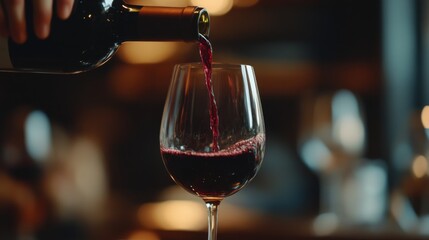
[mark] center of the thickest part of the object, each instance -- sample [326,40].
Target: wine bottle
[94,31]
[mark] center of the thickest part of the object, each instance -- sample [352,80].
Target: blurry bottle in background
[332,143]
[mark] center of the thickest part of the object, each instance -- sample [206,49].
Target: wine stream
[206,55]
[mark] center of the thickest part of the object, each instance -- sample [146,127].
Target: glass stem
[212,219]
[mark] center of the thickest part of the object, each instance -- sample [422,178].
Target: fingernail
[65,11]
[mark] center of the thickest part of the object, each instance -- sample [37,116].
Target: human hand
[13,22]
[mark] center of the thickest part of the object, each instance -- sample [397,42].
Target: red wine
[95,30]
[206,55]
[215,175]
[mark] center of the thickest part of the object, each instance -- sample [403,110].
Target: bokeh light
[215,8]
[173,215]
[147,52]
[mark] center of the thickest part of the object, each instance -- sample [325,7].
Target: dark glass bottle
[95,30]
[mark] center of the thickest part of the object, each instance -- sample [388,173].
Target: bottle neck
[150,23]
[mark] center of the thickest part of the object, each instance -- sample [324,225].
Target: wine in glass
[212,138]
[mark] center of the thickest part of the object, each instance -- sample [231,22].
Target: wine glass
[211,161]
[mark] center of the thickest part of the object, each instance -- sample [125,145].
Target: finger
[42,17]
[16,20]
[3,24]
[64,8]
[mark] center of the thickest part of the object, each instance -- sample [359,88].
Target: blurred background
[345,93]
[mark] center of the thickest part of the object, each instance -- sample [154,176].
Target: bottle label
[5,61]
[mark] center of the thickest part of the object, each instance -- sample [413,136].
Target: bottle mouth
[203,21]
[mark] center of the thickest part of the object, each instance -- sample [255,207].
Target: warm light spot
[245,3]
[420,166]
[215,8]
[425,117]
[166,3]
[173,215]
[147,52]
[143,235]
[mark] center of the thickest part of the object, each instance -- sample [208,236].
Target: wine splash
[206,55]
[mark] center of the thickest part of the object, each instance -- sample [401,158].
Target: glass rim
[215,65]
